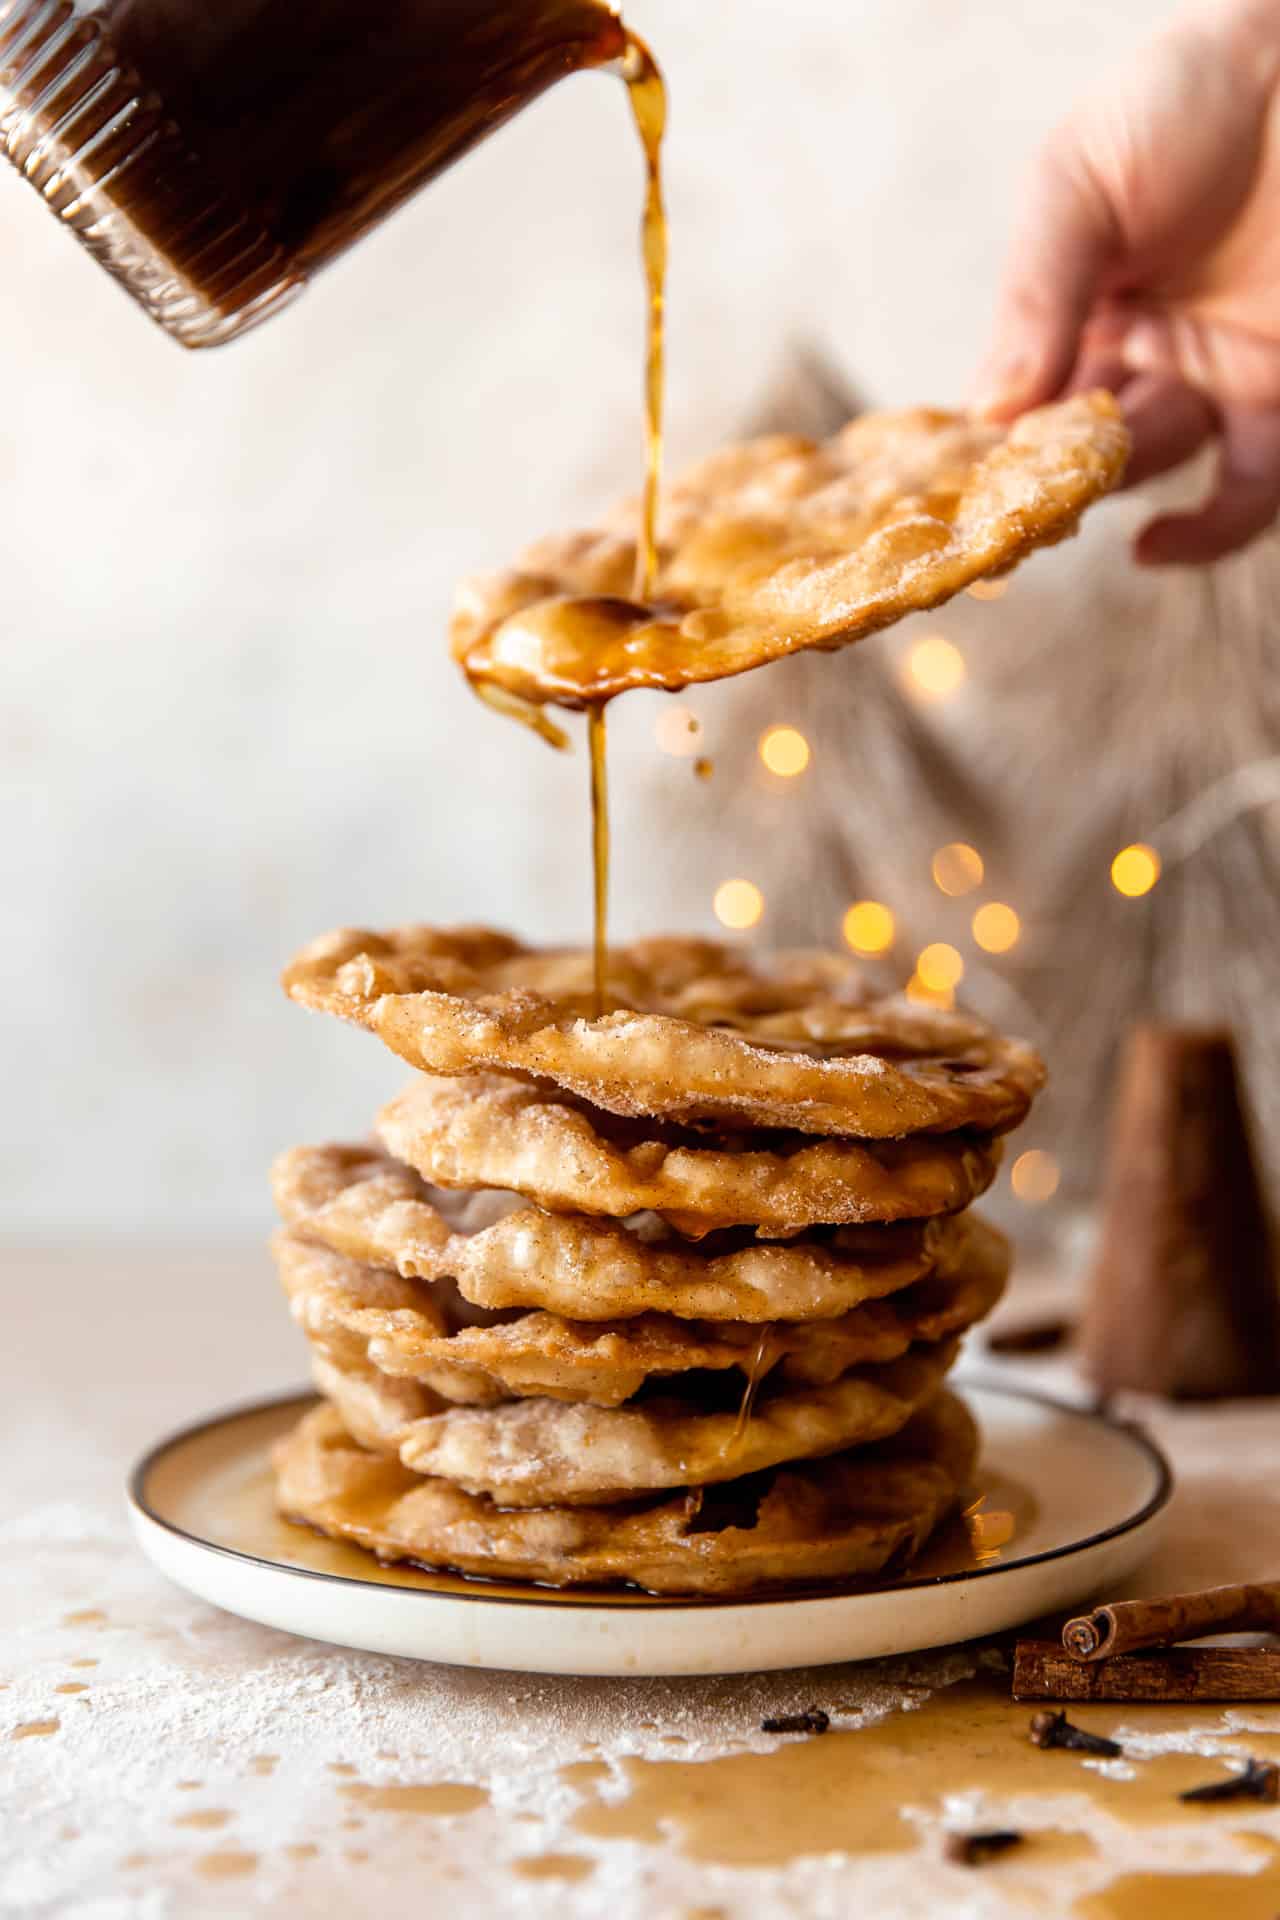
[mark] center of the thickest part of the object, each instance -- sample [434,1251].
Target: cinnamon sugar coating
[495,1131]
[363,1317]
[782,543]
[501,1254]
[850,1514]
[697,1030]
[542,1452]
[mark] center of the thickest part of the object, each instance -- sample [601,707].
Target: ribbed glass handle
[98,147]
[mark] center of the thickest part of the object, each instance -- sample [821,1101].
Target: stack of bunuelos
[666,1293]
[662,1295]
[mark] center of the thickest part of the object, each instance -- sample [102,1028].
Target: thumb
[1064,241]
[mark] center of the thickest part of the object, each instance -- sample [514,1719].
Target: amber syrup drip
[648,99]
[757,1367]
[597,743]
[649,108]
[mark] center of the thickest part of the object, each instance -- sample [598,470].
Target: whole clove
[974,1849]
[812,1720]
[1052,1728]
[1259,1781]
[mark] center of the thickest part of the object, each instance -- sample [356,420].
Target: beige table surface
[201,1769]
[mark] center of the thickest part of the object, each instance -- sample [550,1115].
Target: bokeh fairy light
[940,967]
[996,927]
[1035,1177]
[784,751]
[1135,870]
[934,667]
[738,904]
[957,868]
[869,927]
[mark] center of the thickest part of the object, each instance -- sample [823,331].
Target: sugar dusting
[275,1732]
[194,1709]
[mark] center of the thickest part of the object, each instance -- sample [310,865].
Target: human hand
[1147,260]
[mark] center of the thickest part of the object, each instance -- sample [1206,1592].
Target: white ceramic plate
[1070,1503]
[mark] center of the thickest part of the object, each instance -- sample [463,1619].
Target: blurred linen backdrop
[229,719]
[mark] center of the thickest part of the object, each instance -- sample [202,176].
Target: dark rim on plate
[552,1596]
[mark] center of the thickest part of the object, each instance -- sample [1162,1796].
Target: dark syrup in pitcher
[215,154]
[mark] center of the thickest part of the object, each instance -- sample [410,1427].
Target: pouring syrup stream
[648,99]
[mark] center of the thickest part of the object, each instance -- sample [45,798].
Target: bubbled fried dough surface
[852,1514]
[375,1406]
[359,1317]
[364,1206]
[365,1318]
[697,1030]
[781,544]
[494,1131]
[541,1452]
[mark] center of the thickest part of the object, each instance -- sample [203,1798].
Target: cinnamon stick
[1042,1671]
[1172,1617]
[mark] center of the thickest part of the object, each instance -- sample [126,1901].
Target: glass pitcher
[214,154]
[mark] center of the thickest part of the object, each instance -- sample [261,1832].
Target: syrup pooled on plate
[217,1484]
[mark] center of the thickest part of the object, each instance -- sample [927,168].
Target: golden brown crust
[851,1514]
[360,1317]
[539,1453]
[699,1031]
[491,1130]
[781,544]
[375,1407]
[589,1269]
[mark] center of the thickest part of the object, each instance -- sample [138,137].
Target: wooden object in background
[1182,1299]
[1042,1671]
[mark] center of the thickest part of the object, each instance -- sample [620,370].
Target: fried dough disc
[854,1513]
[360,1204]
[359,1317]
[781,544]
[493,1131]
[375,1407]
[538,1453]
[699,1031]
[363,1318]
